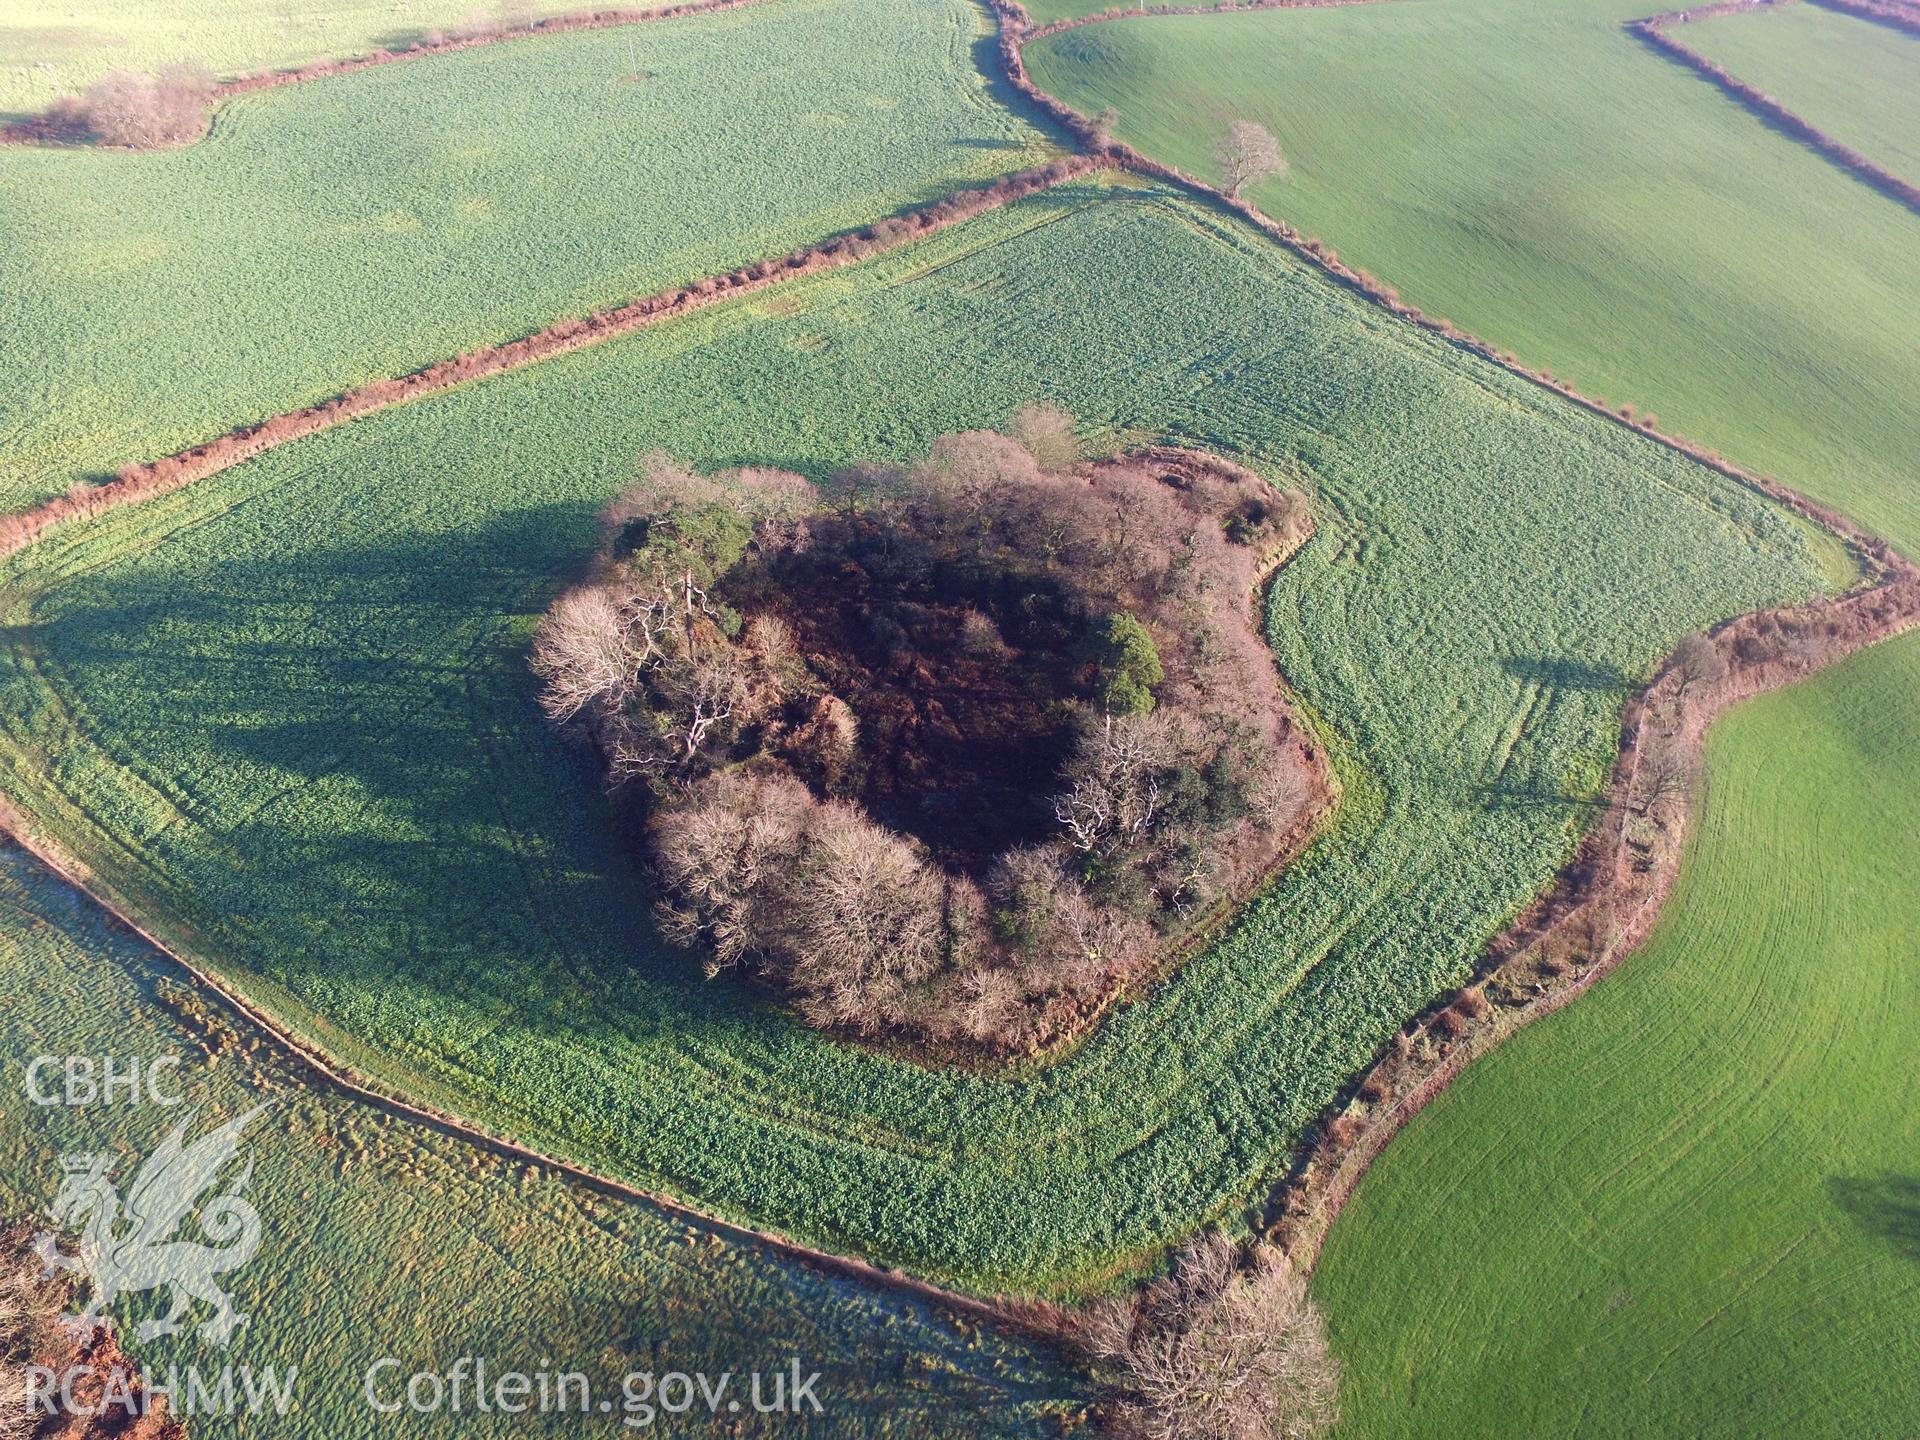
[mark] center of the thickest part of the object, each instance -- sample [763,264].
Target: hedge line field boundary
[1762,651]
[1037,1319]
[44,130]
[147,479]
[1894,14]
[1611,887]
[1653,32]
[1603,906]
[1016,30]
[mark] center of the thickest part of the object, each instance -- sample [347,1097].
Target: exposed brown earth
[109,1400]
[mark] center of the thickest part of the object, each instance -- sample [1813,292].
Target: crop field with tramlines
[1729,1250]
[394,1238]
[332,233]
[1690,263]
[529,569]
[1638,1192]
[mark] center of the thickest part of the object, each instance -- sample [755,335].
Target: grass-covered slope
[382,1239]
[1530,171]
[368,224]
[1857,81]
[290,705]
[1689,1205]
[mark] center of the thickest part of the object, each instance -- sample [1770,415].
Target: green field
[1043,11]
[1675,1209]
[1565,1245]
[369,224]
[287,712]
[384,1239]
[1530,171]
[57,47]
[1858,81]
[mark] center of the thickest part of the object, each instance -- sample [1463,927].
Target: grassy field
[57,47]
[1858,81]
[384,1239]
[1530,171]
[1043,11]
[289,708]
[368,224]
[1678,1208]
[1565,1246]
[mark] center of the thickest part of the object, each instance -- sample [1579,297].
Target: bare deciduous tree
[1226,1347]
[1048,433]
[723,859]
[1666,780]
[1698,661]
[1245,153]
[697,699]
[864,903]
[581,652]
[1113,795]
[143,112]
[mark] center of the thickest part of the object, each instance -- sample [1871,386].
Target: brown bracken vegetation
[952,751]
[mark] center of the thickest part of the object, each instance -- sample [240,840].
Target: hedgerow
[365,226]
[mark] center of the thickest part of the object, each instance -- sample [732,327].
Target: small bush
[147,112]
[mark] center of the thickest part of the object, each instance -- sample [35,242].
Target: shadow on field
[1005,96]
[1886,1207]
[370,782]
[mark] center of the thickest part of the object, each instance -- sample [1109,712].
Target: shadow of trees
[1886,1207]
